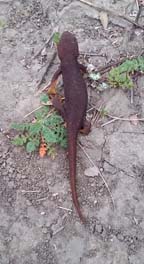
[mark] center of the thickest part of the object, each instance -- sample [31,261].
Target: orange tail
[72,140]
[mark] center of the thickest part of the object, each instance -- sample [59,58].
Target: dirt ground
[35,227]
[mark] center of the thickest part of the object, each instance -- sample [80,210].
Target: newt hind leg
[86,127]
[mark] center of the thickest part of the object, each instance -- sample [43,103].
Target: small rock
[4,173]
[95,202]
[31,30]
[120,237]
[28,203]
[44,230]
[90,67]
[42,213]
[9,161]
[19,176]
[44,52]
[10,199]
[13,175]
[92,172]
[11,170]
[99,228]
[11,184]
[23,176]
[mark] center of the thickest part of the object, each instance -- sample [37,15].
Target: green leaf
[38,115]
[35,128]
[121,75]
[19,140]
[49,135]
[44,98]
[30,146]
[53,120]
[56,37]
[103,112]
[95,76]
[102,86]
[57,119]
[51,151]
[42,113]
[36,141]
[20,127]
[2,23]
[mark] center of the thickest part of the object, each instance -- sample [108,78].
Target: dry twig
[136,21]
[47,69]
[33,111]
[45,45]
[132,96]
[24,191]
[97,114]
[64,208]
[91,54]
[132,132]
[116,118]
[48,115]
[106,68]
[113,13]
[58,230]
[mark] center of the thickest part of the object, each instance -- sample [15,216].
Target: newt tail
[72,149]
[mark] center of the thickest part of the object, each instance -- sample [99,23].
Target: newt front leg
[83,68]
[52,87]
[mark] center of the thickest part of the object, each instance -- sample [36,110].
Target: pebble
[4,173]
[44,230]
[11,184]
[10,199]
[23,176]
[120,237]
[42,213]
[9,161]
[11,170]
[99,228]
[19,176]
[13,175]
[28,203]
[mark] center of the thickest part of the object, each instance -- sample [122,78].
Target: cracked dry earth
[34,226]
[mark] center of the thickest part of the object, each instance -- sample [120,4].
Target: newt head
[67,46]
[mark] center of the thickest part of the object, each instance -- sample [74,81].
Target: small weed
[121,76]
[103,112]
[56,37]
[2,24]
[47,125]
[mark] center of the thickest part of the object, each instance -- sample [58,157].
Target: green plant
[2,23]
[121,76]
[47,125]
[56,37]
[103,112]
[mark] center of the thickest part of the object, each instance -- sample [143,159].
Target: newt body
[76,98]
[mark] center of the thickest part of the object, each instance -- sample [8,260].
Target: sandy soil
[33,227]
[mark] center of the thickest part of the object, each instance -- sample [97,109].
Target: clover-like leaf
[56,37]
[19,140]
[44,98]
[30,146]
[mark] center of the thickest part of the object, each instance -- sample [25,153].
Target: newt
[73,110]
